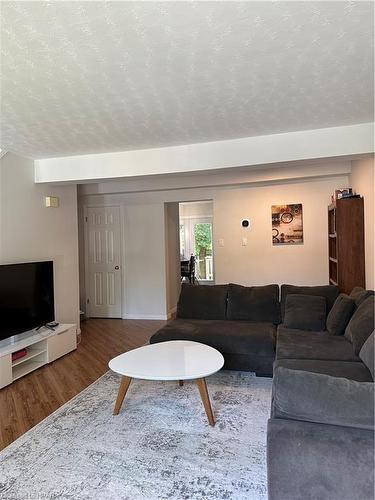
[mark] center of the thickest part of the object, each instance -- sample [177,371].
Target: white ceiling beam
[250,151]
[230,177]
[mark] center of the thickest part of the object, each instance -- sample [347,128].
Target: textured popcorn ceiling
[86,77]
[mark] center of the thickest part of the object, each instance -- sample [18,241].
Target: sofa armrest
[315,397]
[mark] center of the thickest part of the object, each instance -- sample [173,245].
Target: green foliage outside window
[203,239]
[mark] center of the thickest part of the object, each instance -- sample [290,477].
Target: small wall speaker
[52,201]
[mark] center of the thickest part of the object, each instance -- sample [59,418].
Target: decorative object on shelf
[342,193]
[287,224]
[19,354]
[346,245]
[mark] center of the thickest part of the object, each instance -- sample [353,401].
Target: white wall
[144,262]
[172,255]
[81,250]
[260,262]
[363,183]
[257,263]
[29,231]
[197,209]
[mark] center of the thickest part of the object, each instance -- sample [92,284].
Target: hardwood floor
[32,398]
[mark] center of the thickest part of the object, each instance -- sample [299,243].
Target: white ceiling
[90,77]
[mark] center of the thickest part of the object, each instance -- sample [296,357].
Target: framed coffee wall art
[287,224]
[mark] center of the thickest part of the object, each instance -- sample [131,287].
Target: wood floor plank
[33,397]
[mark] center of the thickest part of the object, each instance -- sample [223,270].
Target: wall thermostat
[245,223]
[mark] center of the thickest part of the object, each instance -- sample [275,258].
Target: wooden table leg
[180,383]
[206,400]
[124,386]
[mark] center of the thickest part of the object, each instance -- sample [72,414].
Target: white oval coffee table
[174,360]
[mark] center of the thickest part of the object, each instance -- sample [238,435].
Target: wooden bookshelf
[346,244]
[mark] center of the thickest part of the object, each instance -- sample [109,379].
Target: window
[203,250]
[196,239]
[196,231]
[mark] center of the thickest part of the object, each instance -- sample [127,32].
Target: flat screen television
[26,297]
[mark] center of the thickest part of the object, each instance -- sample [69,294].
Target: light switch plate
[221,242]
[244,242]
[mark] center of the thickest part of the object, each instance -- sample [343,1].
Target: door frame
[86,252]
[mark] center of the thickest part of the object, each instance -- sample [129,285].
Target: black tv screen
[26,297]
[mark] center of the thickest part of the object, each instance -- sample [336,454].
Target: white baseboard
[171,314]
[145,316]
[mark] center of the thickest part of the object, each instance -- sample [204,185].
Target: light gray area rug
[160,446]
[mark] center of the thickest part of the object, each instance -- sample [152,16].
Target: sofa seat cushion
[309,461]
[254,303]
[351,370]
[330,292]
[232,337]
[301,344]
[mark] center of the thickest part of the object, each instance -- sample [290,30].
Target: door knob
[117,267]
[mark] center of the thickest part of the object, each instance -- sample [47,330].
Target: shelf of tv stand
[32,353]
[21,370]
[44,346]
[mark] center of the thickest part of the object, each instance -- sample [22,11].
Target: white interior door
[104,262]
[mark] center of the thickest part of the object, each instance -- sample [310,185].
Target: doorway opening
[196,240]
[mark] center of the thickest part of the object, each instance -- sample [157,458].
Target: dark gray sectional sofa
[240,322]
[320,439]
[319,346]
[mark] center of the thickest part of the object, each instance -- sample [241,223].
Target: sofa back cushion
[330,292]
[359,294]
[367,353]
[361,324]
[320,398]
[305,312]
[254,303]
[202,302]
[340,314]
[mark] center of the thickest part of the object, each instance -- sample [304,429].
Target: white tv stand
[43,346]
